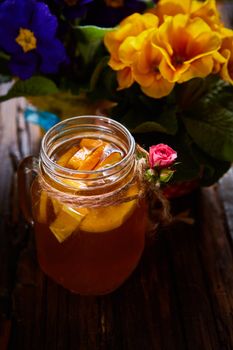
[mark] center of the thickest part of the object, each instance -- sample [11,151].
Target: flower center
[177,60]
[71,2]
[26,39]
[114,3]
[156,71]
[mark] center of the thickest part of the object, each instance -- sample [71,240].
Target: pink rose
[161,155]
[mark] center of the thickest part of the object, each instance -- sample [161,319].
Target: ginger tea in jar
[89,220]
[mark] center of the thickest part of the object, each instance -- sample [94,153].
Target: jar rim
[81,120]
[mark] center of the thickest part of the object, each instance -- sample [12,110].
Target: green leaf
[92,33]
[141,120]
[35,86]
[104,84]
[4,56]
[168,120]
[142,114]
[89,39]
[211,169]
[4,70]
[146,127]
[97,72]
[166,175]
[162,112]
[189,92]
[188,167]
[211,127]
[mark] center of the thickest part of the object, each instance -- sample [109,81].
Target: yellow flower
[219,59]
[125,78]
[124,42]
[226,51]
[206,10]
[128,53]
[188,47]
[130,27]
[146,70]
[171,8]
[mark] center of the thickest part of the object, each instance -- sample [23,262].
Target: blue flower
[28,35]
[108,13]
[74,8]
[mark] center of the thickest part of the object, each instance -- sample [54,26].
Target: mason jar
[85,204]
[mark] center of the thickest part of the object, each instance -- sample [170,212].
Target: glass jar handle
[26,172]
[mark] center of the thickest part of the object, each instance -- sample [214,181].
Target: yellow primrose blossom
[188,47]
[125,78]
[219,59]
[226,51]
[146,70]
[131,26]
[206,10]
[128,53]
[171,8]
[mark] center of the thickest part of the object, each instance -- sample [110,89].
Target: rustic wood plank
[189,280]
[137,315]
[14,145]
[217,262]
[179,297]
[226,193]
[7,254]
[168,302]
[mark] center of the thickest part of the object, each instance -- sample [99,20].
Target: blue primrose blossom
[108,13]
[28,35]
[73,9]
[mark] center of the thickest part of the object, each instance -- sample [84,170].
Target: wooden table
[179,297]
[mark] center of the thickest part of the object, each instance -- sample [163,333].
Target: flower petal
[171,8]
[7,39]
[125,78]
[198,69]
[171,74]
[203,45]
[226,51]
[43,23]
[13,15]
[208,11]
[23,65]
[52,54]
[130,47]
[159,88]
[182,43]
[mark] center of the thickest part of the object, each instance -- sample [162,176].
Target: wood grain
[179,297]
[15,143]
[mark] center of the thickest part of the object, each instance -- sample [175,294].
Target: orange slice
[91,143]
[88,146]
[109,218]
[67,221]
[78,158]
[42,212]
[106,162]
[113,158]
[56,205]
[63,160]
[92,160]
